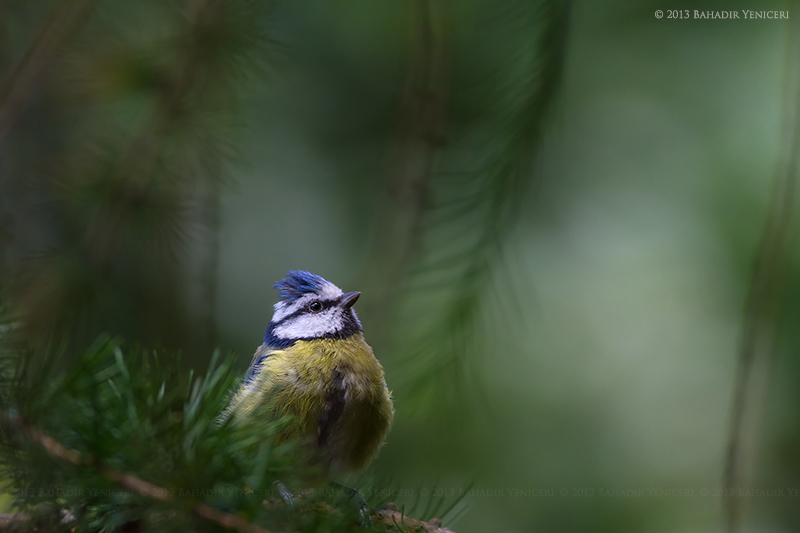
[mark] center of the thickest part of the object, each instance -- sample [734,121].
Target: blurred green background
[554,249]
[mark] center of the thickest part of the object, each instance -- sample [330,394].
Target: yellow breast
[335,391]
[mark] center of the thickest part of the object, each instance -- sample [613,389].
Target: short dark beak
[349,299]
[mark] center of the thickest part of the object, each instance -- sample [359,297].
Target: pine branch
[136,169]
[389,516]
[120,418]
[129,481]
[39,56]
[128,186]
[420,132]
[765,292]
[478,206]
[411,158]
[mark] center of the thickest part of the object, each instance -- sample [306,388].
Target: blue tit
[315,367]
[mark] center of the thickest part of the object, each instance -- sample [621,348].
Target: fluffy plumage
[315,366]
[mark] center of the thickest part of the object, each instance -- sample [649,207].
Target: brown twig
[410,160]
[13,520]
[392,517]
[420,131]
[20,84]
[764,298]
[129,481]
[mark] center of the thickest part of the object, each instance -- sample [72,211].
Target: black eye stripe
[326,304]
[350,325]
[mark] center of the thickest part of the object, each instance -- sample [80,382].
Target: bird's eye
[315,307]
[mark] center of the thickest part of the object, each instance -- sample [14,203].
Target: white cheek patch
[311,325]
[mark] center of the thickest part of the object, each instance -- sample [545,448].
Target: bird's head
[311,307]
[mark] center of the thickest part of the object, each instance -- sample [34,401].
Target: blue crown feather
[298,283]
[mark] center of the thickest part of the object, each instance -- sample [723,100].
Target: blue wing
[259,357]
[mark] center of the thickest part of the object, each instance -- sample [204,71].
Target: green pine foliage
[131,411]
[134,110]
[476,193]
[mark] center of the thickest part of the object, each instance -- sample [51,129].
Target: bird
[315,367]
